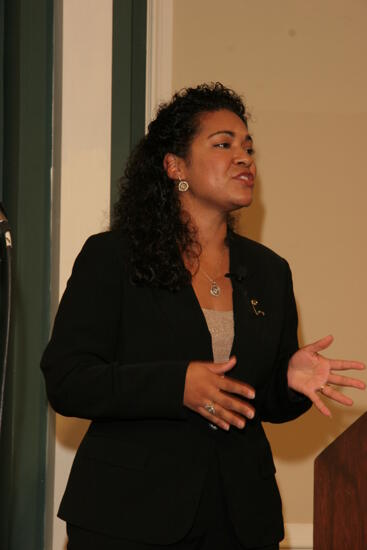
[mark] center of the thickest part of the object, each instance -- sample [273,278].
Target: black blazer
[118,355]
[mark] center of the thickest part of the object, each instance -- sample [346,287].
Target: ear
[172,166]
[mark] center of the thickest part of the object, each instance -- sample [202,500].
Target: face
[220,168]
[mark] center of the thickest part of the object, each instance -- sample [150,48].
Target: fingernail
[240,425]
[251,395]
[250,414]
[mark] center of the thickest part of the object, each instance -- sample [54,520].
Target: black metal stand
[5,301]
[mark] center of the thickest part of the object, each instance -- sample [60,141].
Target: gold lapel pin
[258,312]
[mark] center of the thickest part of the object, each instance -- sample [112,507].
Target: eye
[223,145]
[250,151]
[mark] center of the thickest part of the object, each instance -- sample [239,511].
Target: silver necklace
[215,288]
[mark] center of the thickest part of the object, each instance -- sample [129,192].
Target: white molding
[298,536]
[159,55]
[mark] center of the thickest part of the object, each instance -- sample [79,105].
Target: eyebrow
[230,133]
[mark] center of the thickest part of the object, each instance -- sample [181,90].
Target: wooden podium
[340,491]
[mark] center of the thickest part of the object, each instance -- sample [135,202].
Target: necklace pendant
[215,289]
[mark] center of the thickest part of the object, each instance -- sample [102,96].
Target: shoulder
[105,244]
[101,252]
[256,255]
[264,270]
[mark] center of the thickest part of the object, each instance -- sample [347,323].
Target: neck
[210,223]
[211,233]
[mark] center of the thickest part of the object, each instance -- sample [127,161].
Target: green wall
[128,83]
[27,96]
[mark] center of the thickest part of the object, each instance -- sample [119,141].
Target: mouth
[246,177]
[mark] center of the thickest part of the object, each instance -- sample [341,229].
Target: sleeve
[276,402]
[83,376]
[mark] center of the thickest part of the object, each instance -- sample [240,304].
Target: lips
[246,177]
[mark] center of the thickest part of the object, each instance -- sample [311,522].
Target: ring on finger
[210,408]
[321,388]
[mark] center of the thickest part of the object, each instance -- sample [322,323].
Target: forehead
[218,121]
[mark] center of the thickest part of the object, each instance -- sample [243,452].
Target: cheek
[206,170]
[217,168]
[210,169]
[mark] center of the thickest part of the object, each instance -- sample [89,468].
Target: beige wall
[301,67]
[82,128]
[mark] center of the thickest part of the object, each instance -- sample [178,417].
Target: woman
[177,338]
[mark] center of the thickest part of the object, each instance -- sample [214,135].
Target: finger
[233,404]
[342,364]
[230,417]
[320,344]
[221,368]
[214,419]
[335,395]
[346,381]
[320,405]
[231,385]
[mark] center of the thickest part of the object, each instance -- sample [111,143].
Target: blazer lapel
[248,322]
[186,323]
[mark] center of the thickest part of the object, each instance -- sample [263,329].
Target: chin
[236,207]
[244,202]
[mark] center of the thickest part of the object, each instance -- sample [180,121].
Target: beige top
[221,328]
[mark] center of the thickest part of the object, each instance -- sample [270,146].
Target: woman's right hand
[207,386]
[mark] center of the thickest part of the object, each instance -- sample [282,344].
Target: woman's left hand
[311,373]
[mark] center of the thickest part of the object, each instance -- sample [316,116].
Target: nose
[243,157]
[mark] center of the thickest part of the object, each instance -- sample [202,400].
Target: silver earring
[183,186]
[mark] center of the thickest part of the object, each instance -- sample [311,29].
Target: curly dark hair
[148,210]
